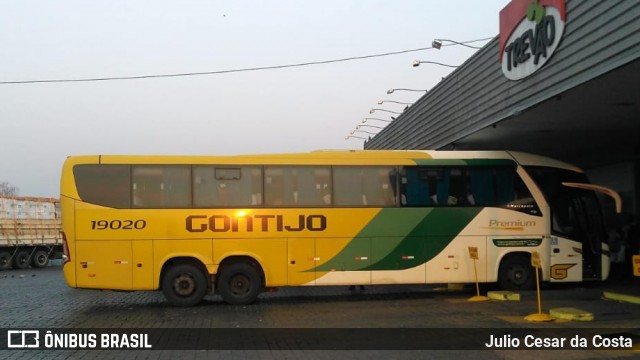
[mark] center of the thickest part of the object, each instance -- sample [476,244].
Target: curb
[504,295]
[571,314]
[621,297]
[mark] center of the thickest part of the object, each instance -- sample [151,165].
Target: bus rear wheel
[184,285]
[516,273]
[239,283]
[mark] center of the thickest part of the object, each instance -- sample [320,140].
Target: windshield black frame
[576,213]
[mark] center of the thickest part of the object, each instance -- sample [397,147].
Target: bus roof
[333,157]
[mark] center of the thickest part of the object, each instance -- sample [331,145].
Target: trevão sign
[530,31]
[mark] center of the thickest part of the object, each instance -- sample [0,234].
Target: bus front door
[579,231]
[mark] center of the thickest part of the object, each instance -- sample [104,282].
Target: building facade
[562,79]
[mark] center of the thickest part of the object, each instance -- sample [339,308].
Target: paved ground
[39,299]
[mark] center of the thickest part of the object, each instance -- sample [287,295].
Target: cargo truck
[29,232]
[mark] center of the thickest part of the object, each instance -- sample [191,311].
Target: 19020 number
[118,224]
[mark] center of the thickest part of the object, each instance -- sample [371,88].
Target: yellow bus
[238,225]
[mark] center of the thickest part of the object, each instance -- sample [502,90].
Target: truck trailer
[29,232]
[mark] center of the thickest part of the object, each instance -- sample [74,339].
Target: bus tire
[5,260]
[40,259]
[184,285]
[22,259]
[239,283]
[516,273]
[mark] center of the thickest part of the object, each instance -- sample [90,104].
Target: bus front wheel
[184,285]
[516,273]
[239,283]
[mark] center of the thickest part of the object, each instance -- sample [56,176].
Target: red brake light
[66,256]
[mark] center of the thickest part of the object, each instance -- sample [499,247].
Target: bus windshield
[568,205]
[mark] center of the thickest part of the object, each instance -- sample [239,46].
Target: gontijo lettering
[251,223]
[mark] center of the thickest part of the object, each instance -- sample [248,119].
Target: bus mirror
[601,189]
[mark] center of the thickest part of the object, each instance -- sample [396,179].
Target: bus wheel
[239,284]
[184,285]
[40,259]
[5,260]
[516,273]
[21,259]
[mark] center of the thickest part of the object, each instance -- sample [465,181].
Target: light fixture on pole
[437,44]
[356,137]
[365,119]
[362,131]
[417,63]
[392,101]
[373,126]
[374,110]
[390,91]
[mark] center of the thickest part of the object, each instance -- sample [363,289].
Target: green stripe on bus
[395,222]
[427,239]
[401,238]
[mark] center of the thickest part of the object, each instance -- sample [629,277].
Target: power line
[138,77]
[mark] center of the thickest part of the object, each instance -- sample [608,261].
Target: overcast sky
[295,109]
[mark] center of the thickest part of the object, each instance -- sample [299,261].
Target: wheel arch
[234,259]
[544,269]
[189,260]
[505,256]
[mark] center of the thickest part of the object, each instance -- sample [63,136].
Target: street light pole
[392,101]
[374,110]
[417,63]
[362,131]
[437,44]
[372,126]
[378,119]
[356,137]
[390,91]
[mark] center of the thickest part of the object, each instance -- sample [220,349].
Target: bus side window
[513,193]
[457,187]
[161,186]
[494,186]
[347,186]
[414,187]
[297,186]
[364,186]
[376,186]
[439,185]
[106,185]
[505,185]
[435,186]
[227,186]
[481,186]
[312,186]
[323,185]
[256,186]
[388,185]
[273,186]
